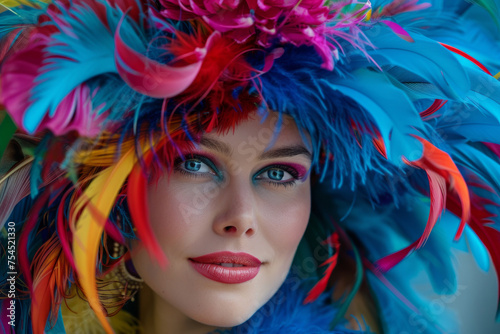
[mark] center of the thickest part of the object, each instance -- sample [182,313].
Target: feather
[477,249]
[473,126]
[398,30]
[483,166]
[49,283]
[10,5]
[441,69]
[491,6]
[137,202]
[89,227]
[442,174]
[317,290]
[396,7]
[480,223]
[28,227]
[394,127]
[14,186]
[77,56]
[435,106]
[151,78]
[465,55]
[485,93]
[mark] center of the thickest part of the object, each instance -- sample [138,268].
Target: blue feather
[425,58]
[479,163]
[477,249]
[86,52]
[485,92]
[396,118]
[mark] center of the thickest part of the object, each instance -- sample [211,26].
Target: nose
[237,214]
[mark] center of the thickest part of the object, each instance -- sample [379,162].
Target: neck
[157,316]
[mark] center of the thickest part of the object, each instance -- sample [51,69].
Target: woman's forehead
[263,133]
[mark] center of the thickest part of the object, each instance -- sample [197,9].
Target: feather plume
[441,69]
[89,227]
[317,290]
[151,78]
[49,283]
[491,6]
[394,127]
[465,55]
[398,30]
[442,174]
[137,202]
[82,50]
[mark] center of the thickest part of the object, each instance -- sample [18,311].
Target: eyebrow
[217,146]
[281,152]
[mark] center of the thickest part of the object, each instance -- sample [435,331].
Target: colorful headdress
[400,99]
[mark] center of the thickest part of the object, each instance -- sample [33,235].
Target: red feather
[438,104]
[137,202]
[443,175]
[465,55]
[318,289]
[51,275]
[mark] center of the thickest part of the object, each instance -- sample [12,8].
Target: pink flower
[274,21]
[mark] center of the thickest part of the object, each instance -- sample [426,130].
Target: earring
[127,283]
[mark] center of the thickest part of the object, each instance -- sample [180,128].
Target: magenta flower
[270,22]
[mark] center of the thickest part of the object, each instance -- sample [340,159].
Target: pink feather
[398,30]
[151,78]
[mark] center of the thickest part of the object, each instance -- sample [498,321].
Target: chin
[226,316]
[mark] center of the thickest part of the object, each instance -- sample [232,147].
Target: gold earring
[125,282]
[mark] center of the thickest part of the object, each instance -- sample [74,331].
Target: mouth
[227,267]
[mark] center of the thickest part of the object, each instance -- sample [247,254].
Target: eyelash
[200,158]
[205,160]
[290,170]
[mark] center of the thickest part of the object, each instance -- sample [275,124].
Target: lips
[227,267]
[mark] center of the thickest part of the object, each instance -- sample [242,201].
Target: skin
[235,205]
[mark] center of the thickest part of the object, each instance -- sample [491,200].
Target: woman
[228,155]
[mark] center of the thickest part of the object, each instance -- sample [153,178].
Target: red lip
[210,266]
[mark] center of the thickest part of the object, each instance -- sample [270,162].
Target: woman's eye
[277,175]
[195,166]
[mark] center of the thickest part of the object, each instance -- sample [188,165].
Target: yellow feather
[10,4]
[102,193]
[497,76]
[368,15]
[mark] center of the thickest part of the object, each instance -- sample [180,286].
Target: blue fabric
[285,313]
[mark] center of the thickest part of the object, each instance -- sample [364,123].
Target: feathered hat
[400,100]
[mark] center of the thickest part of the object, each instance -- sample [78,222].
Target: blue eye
[196,166]
[275,174]
[278,175]
[192,165]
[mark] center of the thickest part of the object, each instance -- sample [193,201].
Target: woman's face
[229,218]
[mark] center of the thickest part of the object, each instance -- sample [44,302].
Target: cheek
[285,220]
[174,210]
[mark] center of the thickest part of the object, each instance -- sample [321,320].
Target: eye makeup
[296,171]
[201,158]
